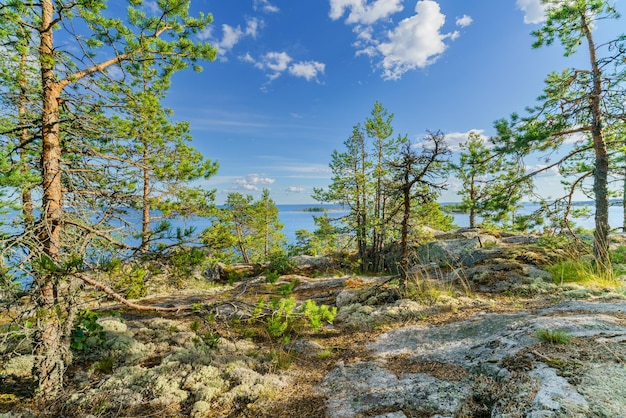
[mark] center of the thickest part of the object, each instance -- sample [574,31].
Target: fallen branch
[106,289]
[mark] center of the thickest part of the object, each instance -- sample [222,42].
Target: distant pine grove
[85,140]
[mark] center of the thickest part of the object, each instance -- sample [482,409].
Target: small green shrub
[234,277]
[195,325]
[286,319]
[280,263]
[211,339]
[283,320]
[87,328]
[272,277]
[133,283]
[553,336]
[554,241]
[183,263]
[287,288]
[105,364]
[618,256]
[205,334]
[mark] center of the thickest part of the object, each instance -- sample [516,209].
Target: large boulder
[451,252]
[308,264]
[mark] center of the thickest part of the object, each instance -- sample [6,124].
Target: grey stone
[355,389]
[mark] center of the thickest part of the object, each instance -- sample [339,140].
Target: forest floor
[100,382]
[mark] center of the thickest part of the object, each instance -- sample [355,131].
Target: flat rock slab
[480,345]
[359,388]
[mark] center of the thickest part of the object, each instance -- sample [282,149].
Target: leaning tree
[80,49]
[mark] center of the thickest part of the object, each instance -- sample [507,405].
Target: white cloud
[265,6]
[231,35]
[360,11]
[294,189]
[308,70]
[455,139]
[276,63]
[152,7]
[464,21]
[252,181]
[542,170]
[416,42]
[534,10]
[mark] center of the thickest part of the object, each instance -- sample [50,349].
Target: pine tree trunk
[600,184]
[624,201]
[49,365]
[145,218]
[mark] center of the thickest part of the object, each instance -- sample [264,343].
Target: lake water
[296,216]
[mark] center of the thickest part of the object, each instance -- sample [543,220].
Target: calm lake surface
[299,216]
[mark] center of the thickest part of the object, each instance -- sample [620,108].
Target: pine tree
[245,229]
[77,186]
[584,101]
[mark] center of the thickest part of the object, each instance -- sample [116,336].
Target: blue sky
[294,76]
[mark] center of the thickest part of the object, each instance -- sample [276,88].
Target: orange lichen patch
[354,283]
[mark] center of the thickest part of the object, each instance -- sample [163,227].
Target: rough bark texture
[49,366]
[600,186]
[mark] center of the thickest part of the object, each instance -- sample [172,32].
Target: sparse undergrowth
[208,363]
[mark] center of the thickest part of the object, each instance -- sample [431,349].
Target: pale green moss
[20,366]
[201,409]
[604,386]
[355,315]
[205,383]
[129,350]
[112,324]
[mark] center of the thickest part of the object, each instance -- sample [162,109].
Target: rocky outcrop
[491,364]
[446,371]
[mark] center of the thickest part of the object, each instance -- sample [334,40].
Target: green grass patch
[553,336]
[584,273]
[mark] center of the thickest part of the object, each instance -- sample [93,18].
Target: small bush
[280,263]
[618,256]
[272,277]
[286,319]
[287,288]
[87,329]
[554,241]
[184,261]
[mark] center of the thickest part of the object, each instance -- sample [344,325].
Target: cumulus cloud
[534,10]
[277,63]
[294,189]
[265,6]
[464,21]
[231,35]
[416,42]
[308,70]
[253,181]
[360,11]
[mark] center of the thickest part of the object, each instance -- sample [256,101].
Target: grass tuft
[582,272]
[553,336]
